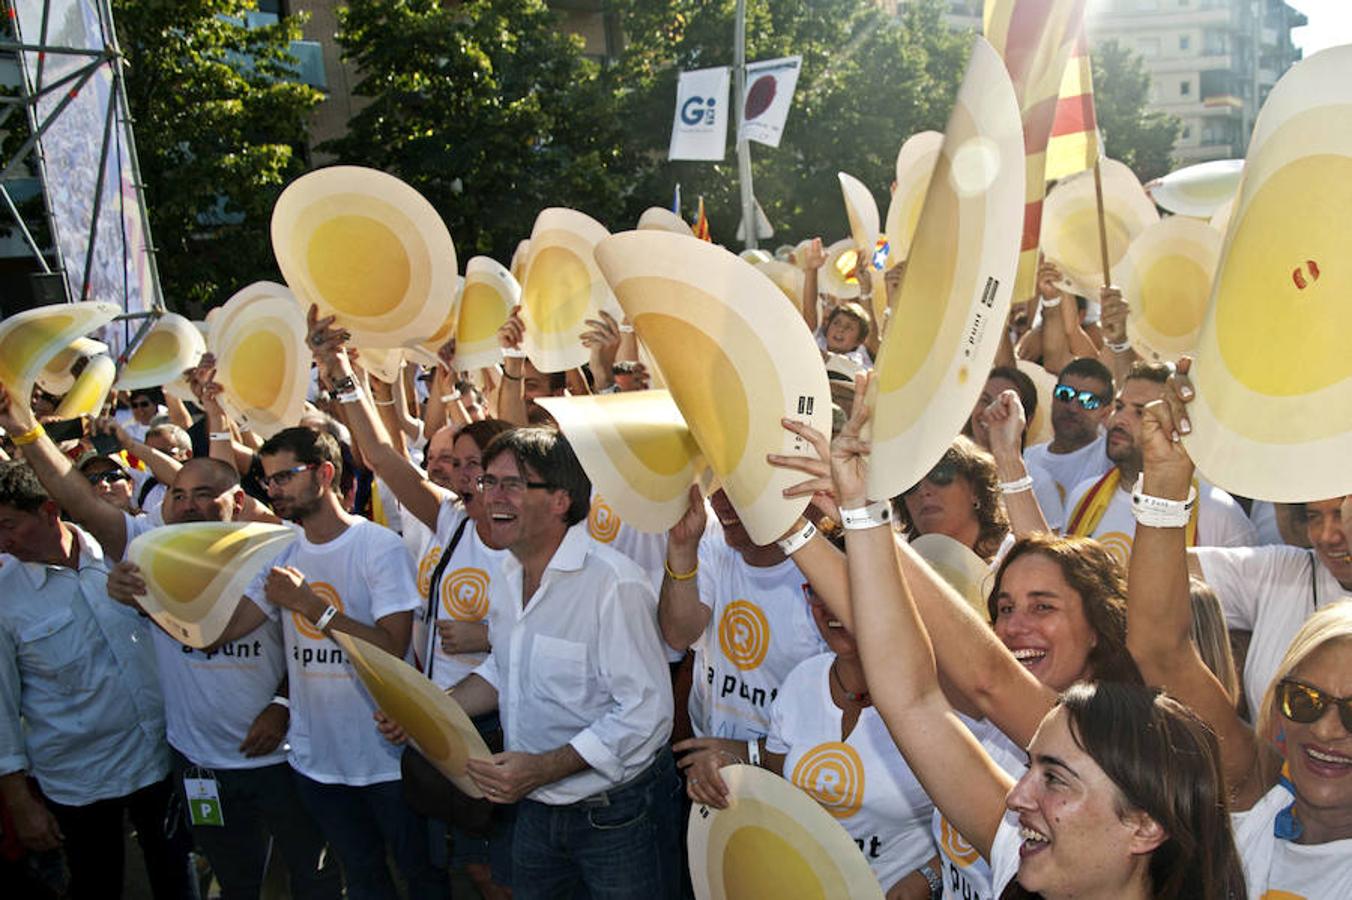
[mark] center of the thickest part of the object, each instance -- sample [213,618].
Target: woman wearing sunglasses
[1290,778]
[960,498]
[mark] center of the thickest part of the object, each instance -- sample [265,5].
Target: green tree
[220,126]
[488,108]
[1140,137]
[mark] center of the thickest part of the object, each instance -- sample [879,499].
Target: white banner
[769,93]
[700,127]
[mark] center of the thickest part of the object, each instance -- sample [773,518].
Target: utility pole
[743,146]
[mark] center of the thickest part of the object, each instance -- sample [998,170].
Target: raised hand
[1168,468]
[1113,314]
[1005,421]
[512,331]
[813,255]
[850,451]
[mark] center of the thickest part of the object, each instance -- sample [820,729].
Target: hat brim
[197,572]
[57,376]
[656,218]
[788,278]
[736,358]
[836,276]
[262,360]
[861,209]
[955,297]
[1044,382]
[1070,232]
[1200,190]
[30,339]
[1166,280]
[914,169]
[487,301]
[87,395]
[773,840]
[562,288]
[959,567]
[172,345]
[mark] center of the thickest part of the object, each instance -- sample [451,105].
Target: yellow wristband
[674,577]
[29,436]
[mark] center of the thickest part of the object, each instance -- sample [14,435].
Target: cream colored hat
[1166,281]
[959,567]
[1220,220]
[637,451]
[433,721]
[1273,415]
[29,340]
[755,257]
[262,361]
[172,345]
[196,573]
[1040,428]
[562,288]
[57,376]
[955,297]
[774,840]
[788,278]
[1070,236]
[90,390]
[1200,190]
[736,358]
[655,218]
[915,167]
[836,276]
[382,363]
[367,248]
[861,209]
[490,295]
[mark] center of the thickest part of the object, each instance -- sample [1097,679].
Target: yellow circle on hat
[562,288]
[836,277]
[436,724]
[773,841]
[955,297]
[196,573]
[1166,280]
[29,340]
[735,357]
[365,247]
[1272,373]
[914,169]
[57,376]
[657,218]
[262,361]
[172,345]
[1070,232]
[489,296]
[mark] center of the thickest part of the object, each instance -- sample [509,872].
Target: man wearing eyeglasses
[1081,403]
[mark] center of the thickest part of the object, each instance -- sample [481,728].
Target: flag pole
[1102,224]
[743,145]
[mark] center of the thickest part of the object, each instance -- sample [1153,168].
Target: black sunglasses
[941,475]
[112,476]
[1304,704]
[1087,399]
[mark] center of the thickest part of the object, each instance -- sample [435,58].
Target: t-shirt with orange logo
[759,630]
[367,574]
[1280,869]
[863,782]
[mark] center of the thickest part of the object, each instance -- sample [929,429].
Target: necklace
[862,698]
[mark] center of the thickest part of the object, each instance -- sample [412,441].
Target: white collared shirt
[581,664]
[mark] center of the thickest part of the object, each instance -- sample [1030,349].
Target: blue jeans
[360,823]
[621,844]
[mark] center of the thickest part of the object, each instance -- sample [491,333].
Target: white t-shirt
[1048,496]
[1269,591]
[463,594]
[1220,520]
[1278,869]
[863,782]
[366,573]
[759,629]
[966,874]
[211,699]
[1069,469]
[1263,515]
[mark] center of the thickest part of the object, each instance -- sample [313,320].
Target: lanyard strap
[434,588]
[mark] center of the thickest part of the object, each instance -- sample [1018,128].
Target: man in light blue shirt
[80,703]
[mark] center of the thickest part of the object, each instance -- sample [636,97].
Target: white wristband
[871,516]
[513,353]
[626,329]
[352,396]
[1052,303]
[220,435]
[753,752]
[798,540]
[1158,512]
[1017,487]
[323,621]
[1118,348]
[280,701]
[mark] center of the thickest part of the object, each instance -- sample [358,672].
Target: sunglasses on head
[1087,399]
[1304,704]
[941,475]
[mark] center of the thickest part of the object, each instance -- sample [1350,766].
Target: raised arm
[511,396]
[1117,353]
[681,616]
[1005,422]
[814,257]
[1159,611]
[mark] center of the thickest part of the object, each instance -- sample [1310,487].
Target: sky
[1330,24]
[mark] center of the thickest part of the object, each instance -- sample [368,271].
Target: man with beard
[236,735]
[1081,403]
[1101,507]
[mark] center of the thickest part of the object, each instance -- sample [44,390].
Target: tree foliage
[220,127]
[1140,137]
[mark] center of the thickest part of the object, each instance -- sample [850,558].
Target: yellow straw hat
[29,340]
[262,361]
[955,297]
[1166,280]
[1070,235]
[172,345]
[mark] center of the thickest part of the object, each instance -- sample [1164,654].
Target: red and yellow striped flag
[1074,145]
[701,226]
[1035,38]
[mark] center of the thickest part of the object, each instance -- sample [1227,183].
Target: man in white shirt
[1101,507]
[578,673]
[1082,400]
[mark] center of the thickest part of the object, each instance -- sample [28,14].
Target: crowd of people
[1150,696]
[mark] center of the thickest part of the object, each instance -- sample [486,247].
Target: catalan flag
[701,226]
[1074,145]
[1035,38]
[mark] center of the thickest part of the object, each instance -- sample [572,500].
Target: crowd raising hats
[606,572]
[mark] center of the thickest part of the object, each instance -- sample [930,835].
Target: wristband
[513,353]
[674,577]
[1017,486]
[753,752]
[450,398]
[626,329]
[1051,304]
[798,540]
[1157,512]
[935,882]
[352,396]
[280,701]
[244,426]
[221,436]
[509,376]
[871,516]
[29,436]
[344,385]
[389,402]
[1118,348]
[323,621]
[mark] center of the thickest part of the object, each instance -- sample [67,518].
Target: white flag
[769,93]
[700,127]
